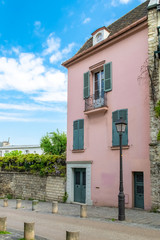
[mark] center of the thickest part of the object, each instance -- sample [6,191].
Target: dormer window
[100,34]
[99,37]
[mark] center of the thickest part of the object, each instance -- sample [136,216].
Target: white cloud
[86,20]
[10,118]
[37,24]
[115,3]
[16,50]
[29,107]
[6,52]
[125,1]
[50,97]
[59,55]
[29,75]
[52,44]
[56,57]
[38,30]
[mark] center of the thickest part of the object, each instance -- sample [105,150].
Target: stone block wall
[154,68]
[155,174]
[25,186]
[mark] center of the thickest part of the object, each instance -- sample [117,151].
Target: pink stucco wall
[130,90]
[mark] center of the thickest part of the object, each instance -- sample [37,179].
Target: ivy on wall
[157,111]
[36,164]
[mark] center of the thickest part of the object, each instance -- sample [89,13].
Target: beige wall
[22,185]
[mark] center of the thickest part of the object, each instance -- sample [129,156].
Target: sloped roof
[128,19]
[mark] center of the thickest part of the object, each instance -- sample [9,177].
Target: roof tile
[131,17]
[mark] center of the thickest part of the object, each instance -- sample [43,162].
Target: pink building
[107,79]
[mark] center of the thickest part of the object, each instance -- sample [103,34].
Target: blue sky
[36,36]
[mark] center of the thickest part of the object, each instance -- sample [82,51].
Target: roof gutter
[138,25]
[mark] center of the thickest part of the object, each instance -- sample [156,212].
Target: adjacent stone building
[154,74]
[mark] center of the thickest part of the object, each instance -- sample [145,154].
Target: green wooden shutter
[115,135]
[124,114]
[86,85]
[81,134]
[107,77]
[75,135]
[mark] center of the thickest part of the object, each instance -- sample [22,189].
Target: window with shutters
[78,134]
[102,83]
[115,135]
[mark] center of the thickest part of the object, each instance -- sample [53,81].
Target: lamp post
[121,126]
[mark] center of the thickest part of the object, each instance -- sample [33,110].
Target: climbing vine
[36,164]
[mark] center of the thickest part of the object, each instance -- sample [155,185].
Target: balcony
[96,104]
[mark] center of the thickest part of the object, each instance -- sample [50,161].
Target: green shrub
[65,197]
[157,109]
[158,136]
[9,196]
[36,164]
[4,232]
[13,153]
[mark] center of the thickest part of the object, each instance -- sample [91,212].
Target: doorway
[138,190]
[80,185]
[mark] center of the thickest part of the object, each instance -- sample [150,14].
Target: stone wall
[25,186]
[154,69]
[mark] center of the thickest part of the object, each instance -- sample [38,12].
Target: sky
[36,36]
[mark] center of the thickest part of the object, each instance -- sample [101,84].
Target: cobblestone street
[96,215]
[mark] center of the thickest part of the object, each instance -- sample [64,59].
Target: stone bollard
[29,233]
[72,235]
[5,203]
[34,205]
[18,203]
[83,210]
[54,207]
[3,224]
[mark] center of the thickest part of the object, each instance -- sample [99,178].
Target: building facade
[5,147]
[108,79]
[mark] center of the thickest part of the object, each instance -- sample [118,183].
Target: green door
[80,185]
[138,190]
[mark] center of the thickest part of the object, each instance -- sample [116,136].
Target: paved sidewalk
[101,223]
[16,235]
[133,216]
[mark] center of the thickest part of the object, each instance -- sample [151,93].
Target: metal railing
[95,101]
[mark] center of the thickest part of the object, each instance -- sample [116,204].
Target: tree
[54,143]
[13,153]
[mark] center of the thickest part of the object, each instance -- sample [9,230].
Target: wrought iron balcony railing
[95,101]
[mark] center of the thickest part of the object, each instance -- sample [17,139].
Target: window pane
[77,178]
[140,189]
[102,74]
[102,88]
[97,85]
[140,177]
[84,178]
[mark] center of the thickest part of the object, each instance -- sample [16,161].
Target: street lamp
[121,126]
